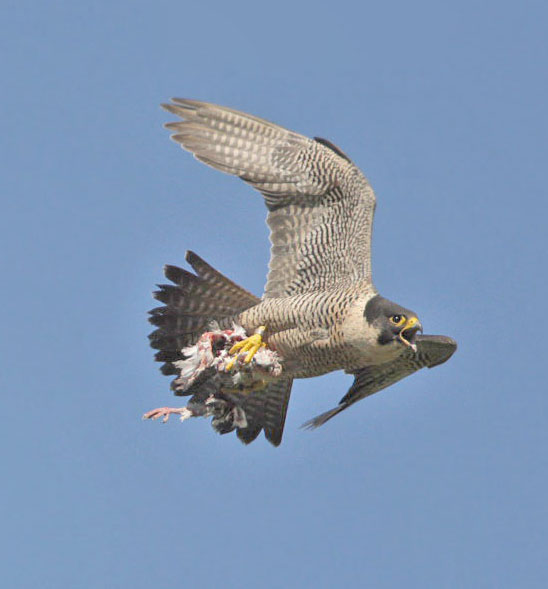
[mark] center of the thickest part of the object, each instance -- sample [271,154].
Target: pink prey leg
[165,412]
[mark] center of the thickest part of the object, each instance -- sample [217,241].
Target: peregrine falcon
[320,311]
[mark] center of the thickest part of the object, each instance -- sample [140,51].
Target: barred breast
[316,332]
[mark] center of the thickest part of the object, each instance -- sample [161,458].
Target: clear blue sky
[439,481]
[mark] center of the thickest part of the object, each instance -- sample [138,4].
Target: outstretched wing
[320,205]
[432,350]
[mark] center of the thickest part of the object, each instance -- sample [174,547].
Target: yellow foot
[251,345]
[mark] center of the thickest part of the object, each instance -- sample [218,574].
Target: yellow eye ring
[398,320]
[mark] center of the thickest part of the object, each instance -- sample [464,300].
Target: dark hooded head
[393,322]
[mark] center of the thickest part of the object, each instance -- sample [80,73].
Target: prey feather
[219,381]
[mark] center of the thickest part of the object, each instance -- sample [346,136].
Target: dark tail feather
[249,433]
[275,410]
[267,410]
[190,304]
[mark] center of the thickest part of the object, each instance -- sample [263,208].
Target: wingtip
[450,344]
[180,106]
[172,108]
[310,425]
[319,420]
[188,103]
[444,347]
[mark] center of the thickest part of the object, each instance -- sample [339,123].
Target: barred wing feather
[320,205]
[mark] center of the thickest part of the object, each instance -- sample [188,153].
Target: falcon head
[393,323]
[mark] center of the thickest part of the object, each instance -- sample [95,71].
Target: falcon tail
[191,304]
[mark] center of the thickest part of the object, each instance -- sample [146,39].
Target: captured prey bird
[320,311]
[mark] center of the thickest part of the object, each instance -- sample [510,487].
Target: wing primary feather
[321,419]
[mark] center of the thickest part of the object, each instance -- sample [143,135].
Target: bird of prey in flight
[320,311]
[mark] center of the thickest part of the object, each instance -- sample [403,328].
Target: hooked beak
[409,331]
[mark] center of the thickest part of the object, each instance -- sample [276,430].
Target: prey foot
[251,345]
[165,412]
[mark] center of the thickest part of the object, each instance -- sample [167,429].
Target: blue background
[439,481]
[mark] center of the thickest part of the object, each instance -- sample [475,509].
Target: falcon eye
[397,319]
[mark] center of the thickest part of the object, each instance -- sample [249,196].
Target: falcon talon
[211,355]
[320,304]
[251,345]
